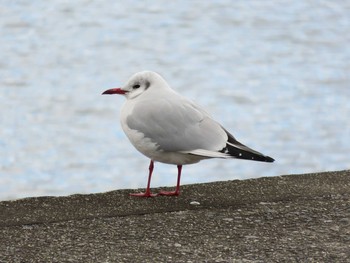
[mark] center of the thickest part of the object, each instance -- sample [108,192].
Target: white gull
[166,127]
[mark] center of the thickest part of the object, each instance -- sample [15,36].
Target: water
[274,73]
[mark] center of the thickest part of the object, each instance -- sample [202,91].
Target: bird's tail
[238,150]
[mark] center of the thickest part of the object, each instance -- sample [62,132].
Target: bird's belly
[151,149]
[176,158]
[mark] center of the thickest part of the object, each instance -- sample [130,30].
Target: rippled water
[274,73]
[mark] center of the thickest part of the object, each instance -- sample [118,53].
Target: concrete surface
[294,218]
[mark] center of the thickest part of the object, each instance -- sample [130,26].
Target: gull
[169,128]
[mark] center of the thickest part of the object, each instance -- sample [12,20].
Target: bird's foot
[145,194]
[169,193]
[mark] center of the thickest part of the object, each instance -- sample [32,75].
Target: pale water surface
[274,73]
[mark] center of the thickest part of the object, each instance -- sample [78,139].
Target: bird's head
[138,84]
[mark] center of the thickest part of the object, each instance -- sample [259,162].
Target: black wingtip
[269,159]
[240,151]
[254,157]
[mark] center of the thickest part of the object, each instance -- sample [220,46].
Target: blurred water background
[274,73]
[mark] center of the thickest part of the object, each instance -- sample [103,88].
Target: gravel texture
[294,218]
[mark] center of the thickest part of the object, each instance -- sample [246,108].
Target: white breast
[150,148]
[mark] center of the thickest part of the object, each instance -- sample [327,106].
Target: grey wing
[177,126]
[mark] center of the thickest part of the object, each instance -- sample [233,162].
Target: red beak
[114,91]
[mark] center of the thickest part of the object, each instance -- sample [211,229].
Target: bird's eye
[136,86]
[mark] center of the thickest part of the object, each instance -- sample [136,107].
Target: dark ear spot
[147,84]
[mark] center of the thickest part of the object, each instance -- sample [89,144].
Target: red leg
[148,190]
[177,190]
